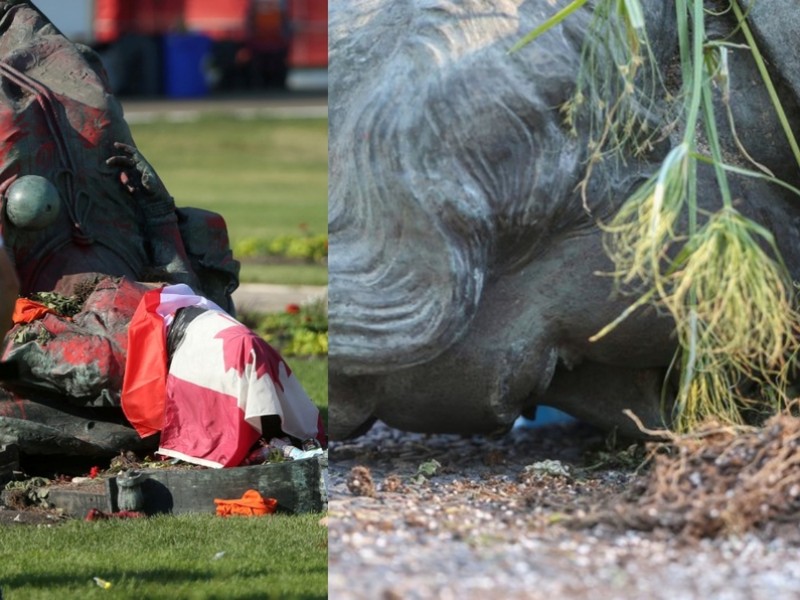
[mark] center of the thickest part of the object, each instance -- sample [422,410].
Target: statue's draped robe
[59,120]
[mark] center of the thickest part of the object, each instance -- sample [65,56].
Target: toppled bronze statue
[464,261]
[85,216]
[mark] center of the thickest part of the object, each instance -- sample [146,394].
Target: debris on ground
[547,468]
[124,461]
[28,492]
[426,470]
[102,583]
[716,481]
[489,527]
[99,515]
[360,483]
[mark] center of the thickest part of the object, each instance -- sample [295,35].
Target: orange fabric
[27,311]
[250,504]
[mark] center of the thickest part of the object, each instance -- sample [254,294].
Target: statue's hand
[136,173]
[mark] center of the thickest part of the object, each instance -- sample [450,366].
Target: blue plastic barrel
[184,56]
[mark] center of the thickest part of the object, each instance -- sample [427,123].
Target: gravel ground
[498,518]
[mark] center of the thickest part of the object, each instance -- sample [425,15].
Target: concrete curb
[264,297]
[281,107]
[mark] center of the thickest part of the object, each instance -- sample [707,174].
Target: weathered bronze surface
[463,262]
[83,213]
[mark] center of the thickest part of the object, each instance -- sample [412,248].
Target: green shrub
[297,331]
[309,248]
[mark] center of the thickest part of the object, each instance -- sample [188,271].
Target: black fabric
[177,331]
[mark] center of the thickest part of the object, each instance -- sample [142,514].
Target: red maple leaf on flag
[241,347]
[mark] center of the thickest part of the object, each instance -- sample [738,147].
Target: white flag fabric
[221,380]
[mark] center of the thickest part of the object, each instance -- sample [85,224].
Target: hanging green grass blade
[748,173]
[713,141]
[674,160]
[697,59]
[548,24]
[643,301]
[762,69]
[634,14]
[689,356]
[723,280]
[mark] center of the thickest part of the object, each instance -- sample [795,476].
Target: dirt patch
[30,516]
[536,514]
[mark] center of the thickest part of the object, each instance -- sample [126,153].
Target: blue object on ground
[545,415]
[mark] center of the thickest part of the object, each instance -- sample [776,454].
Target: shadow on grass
[44,580]
[165,579]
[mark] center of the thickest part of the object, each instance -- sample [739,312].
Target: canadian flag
[222,378]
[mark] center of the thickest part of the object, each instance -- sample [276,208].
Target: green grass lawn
[266,177]
[299,274]
[312,373]
[275,556]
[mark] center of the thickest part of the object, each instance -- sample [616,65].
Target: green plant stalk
[683,38]
[693,111]
[690,351]
[633,13]
[643,300]
[762,69]
[548,24]
[714,354]
[691,65]
[713,142]
[750,173]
